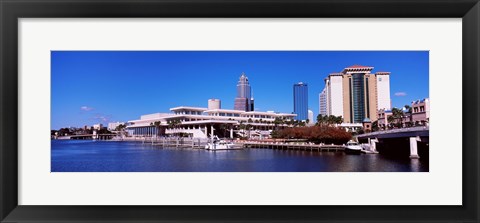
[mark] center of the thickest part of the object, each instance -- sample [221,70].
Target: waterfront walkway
[200,143]
[294,146]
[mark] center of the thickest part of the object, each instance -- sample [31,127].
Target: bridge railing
[410,129]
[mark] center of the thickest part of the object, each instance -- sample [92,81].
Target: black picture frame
[11,11]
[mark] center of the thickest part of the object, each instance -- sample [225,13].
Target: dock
[200,143]
[168,142]
[302,146]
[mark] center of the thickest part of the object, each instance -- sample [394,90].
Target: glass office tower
[300,101]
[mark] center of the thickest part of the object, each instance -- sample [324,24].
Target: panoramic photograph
[240,111]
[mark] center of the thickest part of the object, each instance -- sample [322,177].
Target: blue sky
[90,87]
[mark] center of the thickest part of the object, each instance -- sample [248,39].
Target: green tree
[249,128]
[408,108]
[157,126]
[391,121]
[120,127]
[375,126]
[398,117]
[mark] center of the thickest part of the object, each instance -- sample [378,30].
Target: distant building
[113,125]
[97,126]
[214,104]
[300,100]
[383,115]
[421,112]
[244,100]
[310,117]
[356,93]
[419,115]
[367,125]
[322,102]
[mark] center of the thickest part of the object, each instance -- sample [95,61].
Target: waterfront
[111,156]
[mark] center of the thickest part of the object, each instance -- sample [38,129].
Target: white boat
[353,148]
[221,145]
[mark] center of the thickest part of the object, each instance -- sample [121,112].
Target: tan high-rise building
[356,93]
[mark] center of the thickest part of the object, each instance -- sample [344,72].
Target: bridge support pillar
[211,132]
[414,148]
[373,144]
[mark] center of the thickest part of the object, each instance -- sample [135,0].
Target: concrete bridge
[89,136]
[399,138]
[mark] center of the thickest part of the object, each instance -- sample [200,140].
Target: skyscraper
[310,117]
[322,102]
[300,100]
[244,100]
[356,93]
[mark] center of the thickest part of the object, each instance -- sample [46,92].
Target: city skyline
[91,87]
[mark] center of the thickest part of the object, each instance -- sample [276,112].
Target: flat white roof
[269,113]
[225,111]
[188,108]
[210,121]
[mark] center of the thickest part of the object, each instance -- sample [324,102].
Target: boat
[221,145]
[353,148]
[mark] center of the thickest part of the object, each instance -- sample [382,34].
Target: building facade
[382,120]
[310,117]
[214,104]
[97,126]
[199,122]
[421,112]
[113,125]
[419,115]
[322,102]
[244,100]
[356,93]
[300,101]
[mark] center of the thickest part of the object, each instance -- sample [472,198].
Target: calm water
[104,156]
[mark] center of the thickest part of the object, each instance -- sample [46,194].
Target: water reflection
[89,156]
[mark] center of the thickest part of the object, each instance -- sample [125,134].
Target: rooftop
[359,66]
[188,108]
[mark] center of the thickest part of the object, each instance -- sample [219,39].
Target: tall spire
[243,99]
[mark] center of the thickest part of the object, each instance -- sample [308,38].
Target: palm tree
[277,122]
[390,120]
[174,123]
[375,126]
[120,127]
[157,126]
[249,126]
[408,108]
[398,116]
[338,119]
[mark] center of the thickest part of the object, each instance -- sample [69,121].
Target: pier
[294,146]
[200,143]
[169,142]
